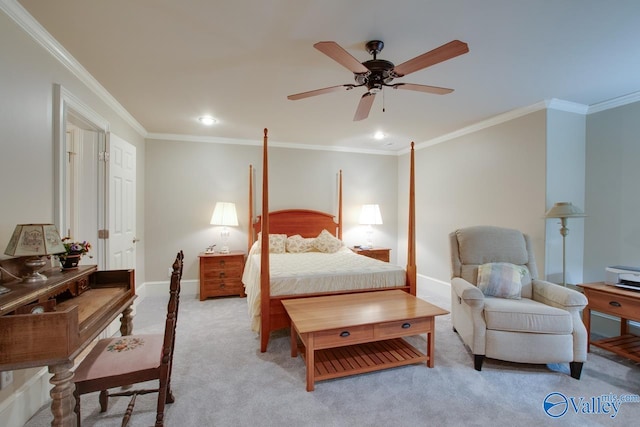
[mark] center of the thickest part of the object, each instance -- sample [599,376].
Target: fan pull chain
[383,91]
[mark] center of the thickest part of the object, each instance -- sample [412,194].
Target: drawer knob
[222,262]
[345,334]
[406,325]
[222,274]
[615,304]
[222,285]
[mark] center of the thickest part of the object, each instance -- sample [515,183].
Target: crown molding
[20,16]
[258,143]
[568,106]
[615,102]
[492,121]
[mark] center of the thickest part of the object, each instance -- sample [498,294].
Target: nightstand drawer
[214,288]
[617,305]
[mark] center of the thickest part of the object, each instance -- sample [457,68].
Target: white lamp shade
[564,210]
[370,215]
[224,214]
[35,240]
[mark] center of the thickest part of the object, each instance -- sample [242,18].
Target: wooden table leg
[431,343]
[294,342]
[126,321]
[62,403]
[624,326]
[310,361]
[586,319]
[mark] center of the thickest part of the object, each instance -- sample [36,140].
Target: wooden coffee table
[363,332]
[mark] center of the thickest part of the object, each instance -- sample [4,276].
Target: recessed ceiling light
[207,120]
[379,135]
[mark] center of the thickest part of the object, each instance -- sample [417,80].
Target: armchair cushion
[526,315]
[501,279]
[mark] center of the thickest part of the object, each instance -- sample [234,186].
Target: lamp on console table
[370,215]
[564,210]
[224,214]
[35,241]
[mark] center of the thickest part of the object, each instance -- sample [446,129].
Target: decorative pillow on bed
[501,279]
[277,243]
[327,242]
[298,244]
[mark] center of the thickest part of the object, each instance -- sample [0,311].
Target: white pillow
[299,244]
[327,243]
[501,279]
[277,243]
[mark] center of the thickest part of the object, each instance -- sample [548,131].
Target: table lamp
[370,215]
[35,241]
[224,214]
[564,210]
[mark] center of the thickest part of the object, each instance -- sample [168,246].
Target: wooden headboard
[305,222]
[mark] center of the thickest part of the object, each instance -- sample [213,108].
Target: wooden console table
[355,333]
[619,302]
[49,324]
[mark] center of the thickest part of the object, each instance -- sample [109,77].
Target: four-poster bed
[329,270]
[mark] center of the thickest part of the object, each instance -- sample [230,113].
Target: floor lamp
[564,210]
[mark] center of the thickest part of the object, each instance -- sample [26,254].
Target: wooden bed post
[411,237]
[340,205]
[265,279]
[250,234]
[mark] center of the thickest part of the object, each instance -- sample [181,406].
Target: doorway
[95,181]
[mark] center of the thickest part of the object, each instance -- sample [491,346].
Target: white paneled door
[121,243]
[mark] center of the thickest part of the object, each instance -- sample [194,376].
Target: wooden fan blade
[446,51]
[423,88]
[334,51]
[364,106]
[318,92]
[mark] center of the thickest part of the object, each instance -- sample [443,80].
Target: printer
[623,277]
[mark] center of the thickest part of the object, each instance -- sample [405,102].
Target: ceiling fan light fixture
[207,120]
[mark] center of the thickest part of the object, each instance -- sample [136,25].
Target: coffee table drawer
[403,328]
[343,336]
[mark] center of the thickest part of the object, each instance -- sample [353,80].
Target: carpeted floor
[220,378]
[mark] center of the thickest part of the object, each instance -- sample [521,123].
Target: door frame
[66,107]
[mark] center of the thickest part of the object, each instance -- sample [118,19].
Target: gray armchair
[543,326]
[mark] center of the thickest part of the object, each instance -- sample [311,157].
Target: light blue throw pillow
[501,279]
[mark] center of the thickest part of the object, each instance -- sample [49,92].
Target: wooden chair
[132,359]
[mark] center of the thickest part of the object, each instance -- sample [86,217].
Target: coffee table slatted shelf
[624,345]
[360,358]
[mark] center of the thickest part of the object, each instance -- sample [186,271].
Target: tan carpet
[221,379]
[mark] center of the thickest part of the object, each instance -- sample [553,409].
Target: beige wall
[27,77]
[186,179]
[495,176]
[612,227]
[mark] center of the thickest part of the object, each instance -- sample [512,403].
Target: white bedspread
[312,272]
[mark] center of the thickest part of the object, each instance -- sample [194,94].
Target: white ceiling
[169,62]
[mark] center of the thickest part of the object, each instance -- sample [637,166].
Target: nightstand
[381,254]
[221,274]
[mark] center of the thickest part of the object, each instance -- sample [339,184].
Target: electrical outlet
[6,378]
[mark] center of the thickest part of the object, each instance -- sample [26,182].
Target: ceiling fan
[376,73]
